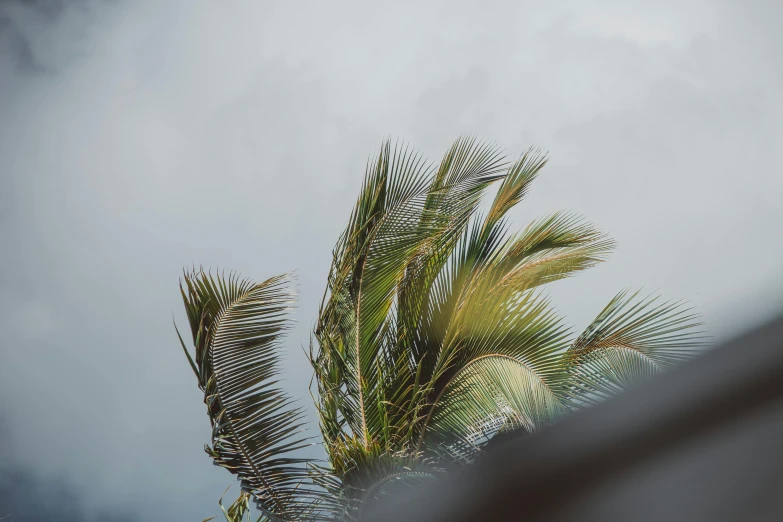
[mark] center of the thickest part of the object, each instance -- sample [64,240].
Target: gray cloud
[25,497]
[140,137]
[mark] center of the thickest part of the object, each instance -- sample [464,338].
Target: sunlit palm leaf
[549,249]
[552,248]
[466,171]
[501,344]
[404,224]
[493,393]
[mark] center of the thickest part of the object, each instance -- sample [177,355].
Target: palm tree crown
[433,337]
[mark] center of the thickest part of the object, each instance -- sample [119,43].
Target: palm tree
[433,337]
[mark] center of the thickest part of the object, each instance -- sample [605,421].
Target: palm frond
[402,228]
[370,260]
[465,172]
[487,264]
[551,248]
[514,187]
[498,319]
[498,340]
[491,394]
[256,429]
[631,339]
[238,511]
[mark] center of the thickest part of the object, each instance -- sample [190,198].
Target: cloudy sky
[140,137]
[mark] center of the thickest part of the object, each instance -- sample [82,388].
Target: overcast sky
[138,137]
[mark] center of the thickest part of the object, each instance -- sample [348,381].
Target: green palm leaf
[238,511]
[499,339]
[236,326]
[515,185]
[489,395]
[552,248]
[404,224]
[631,339]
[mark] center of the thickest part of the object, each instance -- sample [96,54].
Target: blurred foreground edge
[701,442]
